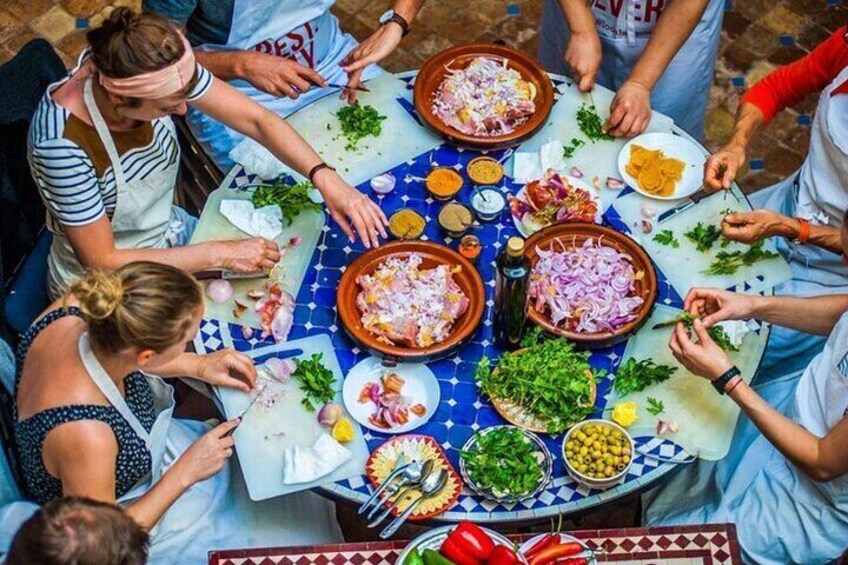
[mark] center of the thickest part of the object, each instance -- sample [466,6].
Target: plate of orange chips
[664,166]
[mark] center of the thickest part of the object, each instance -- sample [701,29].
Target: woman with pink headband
[104,154]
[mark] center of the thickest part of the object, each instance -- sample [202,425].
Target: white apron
[819,193]
[781,516]
[302,30]
[143,214]
[216,513]
[625,27]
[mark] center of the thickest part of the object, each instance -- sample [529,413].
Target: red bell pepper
[554,552]
[468,540]
[503,555]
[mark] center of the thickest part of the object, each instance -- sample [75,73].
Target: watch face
[387,16]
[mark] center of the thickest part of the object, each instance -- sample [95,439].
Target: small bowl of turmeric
[406,223]
[443,183]
[485,171]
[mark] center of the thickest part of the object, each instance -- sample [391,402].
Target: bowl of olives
[597,453]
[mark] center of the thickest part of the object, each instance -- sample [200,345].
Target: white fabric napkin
[257,160]
[307,464]
[531,165]
[264,222]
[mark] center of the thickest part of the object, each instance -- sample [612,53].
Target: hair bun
[99,294]
[121,18]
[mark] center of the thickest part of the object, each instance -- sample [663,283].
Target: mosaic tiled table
[462,411]
[682,545]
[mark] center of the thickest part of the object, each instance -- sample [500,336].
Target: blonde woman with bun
[92,420]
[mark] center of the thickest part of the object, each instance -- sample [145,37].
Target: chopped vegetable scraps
[591,124]
[504,462]
[554,200]
[291,198]
[634,376]
[359,122]
[276,313]
[391,407]
[316,381]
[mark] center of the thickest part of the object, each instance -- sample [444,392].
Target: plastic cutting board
[684,265]
[706,419]
[402,136]
[214,226]
[265,432]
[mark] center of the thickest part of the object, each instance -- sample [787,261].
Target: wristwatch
[721,382]
[390,16]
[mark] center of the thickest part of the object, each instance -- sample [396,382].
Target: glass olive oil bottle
[511,281]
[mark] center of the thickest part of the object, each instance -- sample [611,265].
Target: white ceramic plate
[421,387]
[674,146]
[574,181]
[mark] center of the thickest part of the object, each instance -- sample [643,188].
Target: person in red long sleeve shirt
[805,210]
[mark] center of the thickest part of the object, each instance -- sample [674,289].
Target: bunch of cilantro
[291,198]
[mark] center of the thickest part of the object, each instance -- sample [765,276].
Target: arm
[750,227]
[346,204]
[583,52]
[221,368]
[821,459]
[630,111]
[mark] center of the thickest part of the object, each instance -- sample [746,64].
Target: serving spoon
[430,487]
[411,480]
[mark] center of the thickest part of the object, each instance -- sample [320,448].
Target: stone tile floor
[758,35]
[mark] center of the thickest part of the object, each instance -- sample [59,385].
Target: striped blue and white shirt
[73,175]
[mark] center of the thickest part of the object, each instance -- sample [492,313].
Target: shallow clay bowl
[433,73]
[433,255]
[573,235]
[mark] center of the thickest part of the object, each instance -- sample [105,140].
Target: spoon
[400,466]
[430,487]
[411,480]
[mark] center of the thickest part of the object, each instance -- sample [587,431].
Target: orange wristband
[803,231]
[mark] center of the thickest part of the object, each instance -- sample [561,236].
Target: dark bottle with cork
[511,281]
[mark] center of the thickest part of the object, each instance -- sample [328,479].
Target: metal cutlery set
[405,479]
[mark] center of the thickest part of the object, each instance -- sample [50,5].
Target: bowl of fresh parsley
[505,464]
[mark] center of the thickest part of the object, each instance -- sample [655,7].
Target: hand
[751,227]
[721,168]
[349,206]
[227,368]
[713,305]
[705,358]
[279,76]
[207,455]
[630,111]
[250,255]
[377,47]
[354,80]
[583,57]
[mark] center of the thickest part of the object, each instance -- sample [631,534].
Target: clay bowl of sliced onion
[639,282]
[432,255]
[534,82]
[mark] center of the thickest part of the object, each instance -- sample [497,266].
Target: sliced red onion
[219,291]
[383,184]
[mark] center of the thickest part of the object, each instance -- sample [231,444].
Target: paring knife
[345,87]
[694,199]
[244,412]
[228,275]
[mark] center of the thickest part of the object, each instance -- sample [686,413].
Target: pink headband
[155,84]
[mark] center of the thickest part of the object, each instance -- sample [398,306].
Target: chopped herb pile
[634,376]
[666,237]
[359,122]
[549,379]
[590,123]
[573,145]
[291,198]
[316,381]
[655,406]
[716,333]
[504,463]
[703,236]
[728,262]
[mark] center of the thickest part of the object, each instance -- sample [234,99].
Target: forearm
[578,16]
[826,237]
[186,365]
[150,508]
[749,118]
[283,141]
[226,65]
[816,315]
[672,30]
[190,258]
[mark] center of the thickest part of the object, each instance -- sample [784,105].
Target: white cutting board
[705,418]
[260,452]
[593,159]
[684,265]
[401,138]
[290,270]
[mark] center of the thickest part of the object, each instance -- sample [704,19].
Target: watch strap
[401,21]
[721,382]
[803,231]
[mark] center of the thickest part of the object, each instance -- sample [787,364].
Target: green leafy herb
[716,333]
[573,145]
[549,379]
[316,381]
[590,123]
[655,406]
[504,463]
[728,262]
[291,198]
[634,376]
[359,122]
[703,236]
[666,237]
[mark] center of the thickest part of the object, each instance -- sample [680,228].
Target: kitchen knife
[228,275]
[694,199]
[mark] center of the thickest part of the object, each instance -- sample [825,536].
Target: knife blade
[346,87]
[228,275]
[694,199]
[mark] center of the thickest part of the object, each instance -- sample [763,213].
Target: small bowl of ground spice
[443,183]
[485,171]
[455,219]
[406,223]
